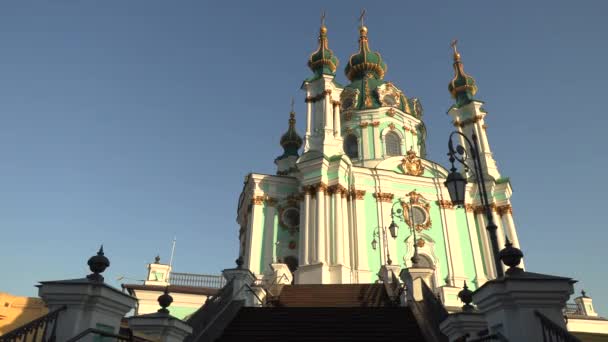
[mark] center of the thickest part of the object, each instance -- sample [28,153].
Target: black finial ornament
[97,264]
[164,301]
[466,296]
[239,262]
[157,259]
[584,294]
[511,256]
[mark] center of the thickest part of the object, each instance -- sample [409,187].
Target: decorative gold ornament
[462,123]
[257,200]
[469,208]
[389,95]
[391,112]
[504,209]
[289,218]
[384,197]
[357,194]
[391,126]
[349,99]
[420,243]
[411,164]
[420,209]
[444,204]
[364,124]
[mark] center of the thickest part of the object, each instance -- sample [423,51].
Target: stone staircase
[357,312]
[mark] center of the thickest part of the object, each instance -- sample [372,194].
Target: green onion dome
[462,86]
[291,141]
[323,61]
[365,61]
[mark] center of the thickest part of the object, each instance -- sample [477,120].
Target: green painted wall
[466,246]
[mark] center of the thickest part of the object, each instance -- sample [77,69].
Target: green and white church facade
[360,166]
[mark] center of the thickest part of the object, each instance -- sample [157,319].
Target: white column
[254,239]
[457,274]
[377,143]
[304,234]
[338,229]
[345,229]
[477,257]
[365,143]
[312,227]
[500,234]
[328,224]
[309,120]
[269,218]
[320,227]
[351,229]
[360,228]
[337,126]
[328,113]
[509,227]
[485,242]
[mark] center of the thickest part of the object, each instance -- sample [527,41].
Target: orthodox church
[356,192]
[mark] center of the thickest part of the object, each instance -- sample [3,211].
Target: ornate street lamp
[456,183]
[384,243]
[393,228]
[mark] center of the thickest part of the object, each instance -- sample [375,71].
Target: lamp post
[456,183]
[393,230]
[384,243]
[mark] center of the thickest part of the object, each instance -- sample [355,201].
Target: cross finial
[323,18]
[362,17]
[292,104]
[453,45]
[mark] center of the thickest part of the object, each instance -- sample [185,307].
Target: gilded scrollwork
[419,207]
[389,95]
[384,196]
[411,164]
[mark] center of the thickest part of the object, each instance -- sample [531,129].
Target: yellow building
[16,311]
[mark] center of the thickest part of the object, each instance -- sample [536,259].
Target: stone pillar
[254,235]
[500,232]
[304,228]
[338,229]
[359,227]
[345,227]
[269,246]
[89,304]
[451,227]
[506,214]
[365,144]
[161,325]
[308,118]
[511,304]
[320,226]
[327,106]
[460,324]
[480,276]
[312,226]
[241,278]
[337,125]
[377,143]
[485,242]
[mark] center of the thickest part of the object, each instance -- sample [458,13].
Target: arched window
[351,146]
[393,144]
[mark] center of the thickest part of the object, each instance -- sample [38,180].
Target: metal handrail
[33,328]
[553,332]
[119,338]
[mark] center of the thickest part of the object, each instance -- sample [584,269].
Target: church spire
[323,61]
[462,86]
[364,61]
[291,141]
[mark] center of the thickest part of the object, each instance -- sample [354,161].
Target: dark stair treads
[323,324]
[338,295]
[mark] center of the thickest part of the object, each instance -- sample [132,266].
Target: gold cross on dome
[453,45]
[292,104]
[323,18]
[362,16]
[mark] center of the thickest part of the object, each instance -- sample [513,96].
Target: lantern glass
[374,244]
[456,184]
[393,228]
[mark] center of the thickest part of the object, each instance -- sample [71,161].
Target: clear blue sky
[130,122]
